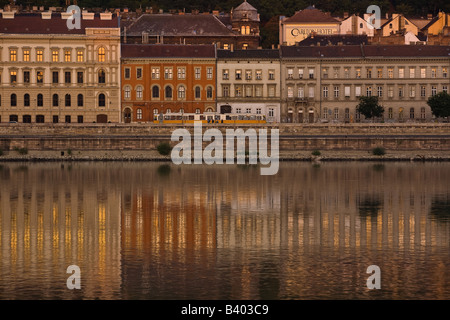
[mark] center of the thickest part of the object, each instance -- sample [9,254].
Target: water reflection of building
[50,218]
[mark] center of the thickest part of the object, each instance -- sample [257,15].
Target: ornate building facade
[249,82]
[51,74]
[325,83]
[167,78]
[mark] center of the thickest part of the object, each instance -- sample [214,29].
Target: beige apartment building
[50,73]
[249,82]
[323,84]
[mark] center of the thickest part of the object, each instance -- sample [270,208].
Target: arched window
[197,93]
[139,92]
[101,100]
[209,93]
[55,100]
[68,100]
[168,110]
[80,100]
[127,91]
[168,92]
[26,100]
[155,92]
[139,114]
[101,54]
[40,100]
[13,100]
[247,29]
[155,111]
[101,76]
[181,92]
[197,111]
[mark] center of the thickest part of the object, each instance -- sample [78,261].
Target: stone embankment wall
[293,137]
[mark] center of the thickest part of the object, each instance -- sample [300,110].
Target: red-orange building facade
[167,78]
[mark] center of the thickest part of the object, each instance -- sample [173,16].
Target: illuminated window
[39,55]
[55,56]
[13,55]
[26,55]
[101,54]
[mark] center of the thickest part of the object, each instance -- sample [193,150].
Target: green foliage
[369,107]
[69,152]
[316,153]
[379,151]
[21,151]
[164,148]
[440,104]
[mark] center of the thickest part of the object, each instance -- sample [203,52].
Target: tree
[440,104]
[369,107]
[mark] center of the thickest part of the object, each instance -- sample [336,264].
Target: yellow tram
[230,118]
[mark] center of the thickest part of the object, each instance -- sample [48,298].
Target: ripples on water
[160,231]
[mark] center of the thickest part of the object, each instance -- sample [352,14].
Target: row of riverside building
[50,73]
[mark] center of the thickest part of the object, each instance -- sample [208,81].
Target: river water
[148,230]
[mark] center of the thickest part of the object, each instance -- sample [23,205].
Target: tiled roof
[32,23]
[167,51]
[248,54]
[365,51]
[179,25]
[325,40]
[310,15]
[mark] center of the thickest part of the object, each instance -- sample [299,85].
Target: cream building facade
[323,84]
[53,74]
[249,82]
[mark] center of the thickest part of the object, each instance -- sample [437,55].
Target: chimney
[46,15]
[345,15]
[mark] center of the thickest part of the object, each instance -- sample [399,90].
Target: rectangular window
[226,91]
[390,92]
[336,73]
[325,73]
[258,74]
[67,77]
[80,119]
[155,73]
[380,91]
[358,73]
[80,56]
[39,76]
[445,89]
[433,90]
[55,56]
[369,73]
[181,73]
[138,73]
[238,74]
[325,92]
[311,92]
[26,55]
[13,77]
[300,73]
[412,92]
[358,91]
[379,73]
[168,73]
[390,73]
[311,73]
[301,92]
[444,72]
[55,77]
[248,74]
[347,91]
[258,91]
[346,73]
[127,73]
[369,91]
[401,73]
[13,55]
[434,72]
[248,91]
[423,72]
[26,76]
[225,74]
[238,91]
[271,89]
[400,91]
[290,92]
[258,110]
[209,73]
[67,55]
[290,73]
[248,110]
[412,72]
[336,92]
[80,77]
[423,91]
[271,74]
[197,73]
[39,55]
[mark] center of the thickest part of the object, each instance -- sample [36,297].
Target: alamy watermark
[74,21]
[374,21]
[214,152]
